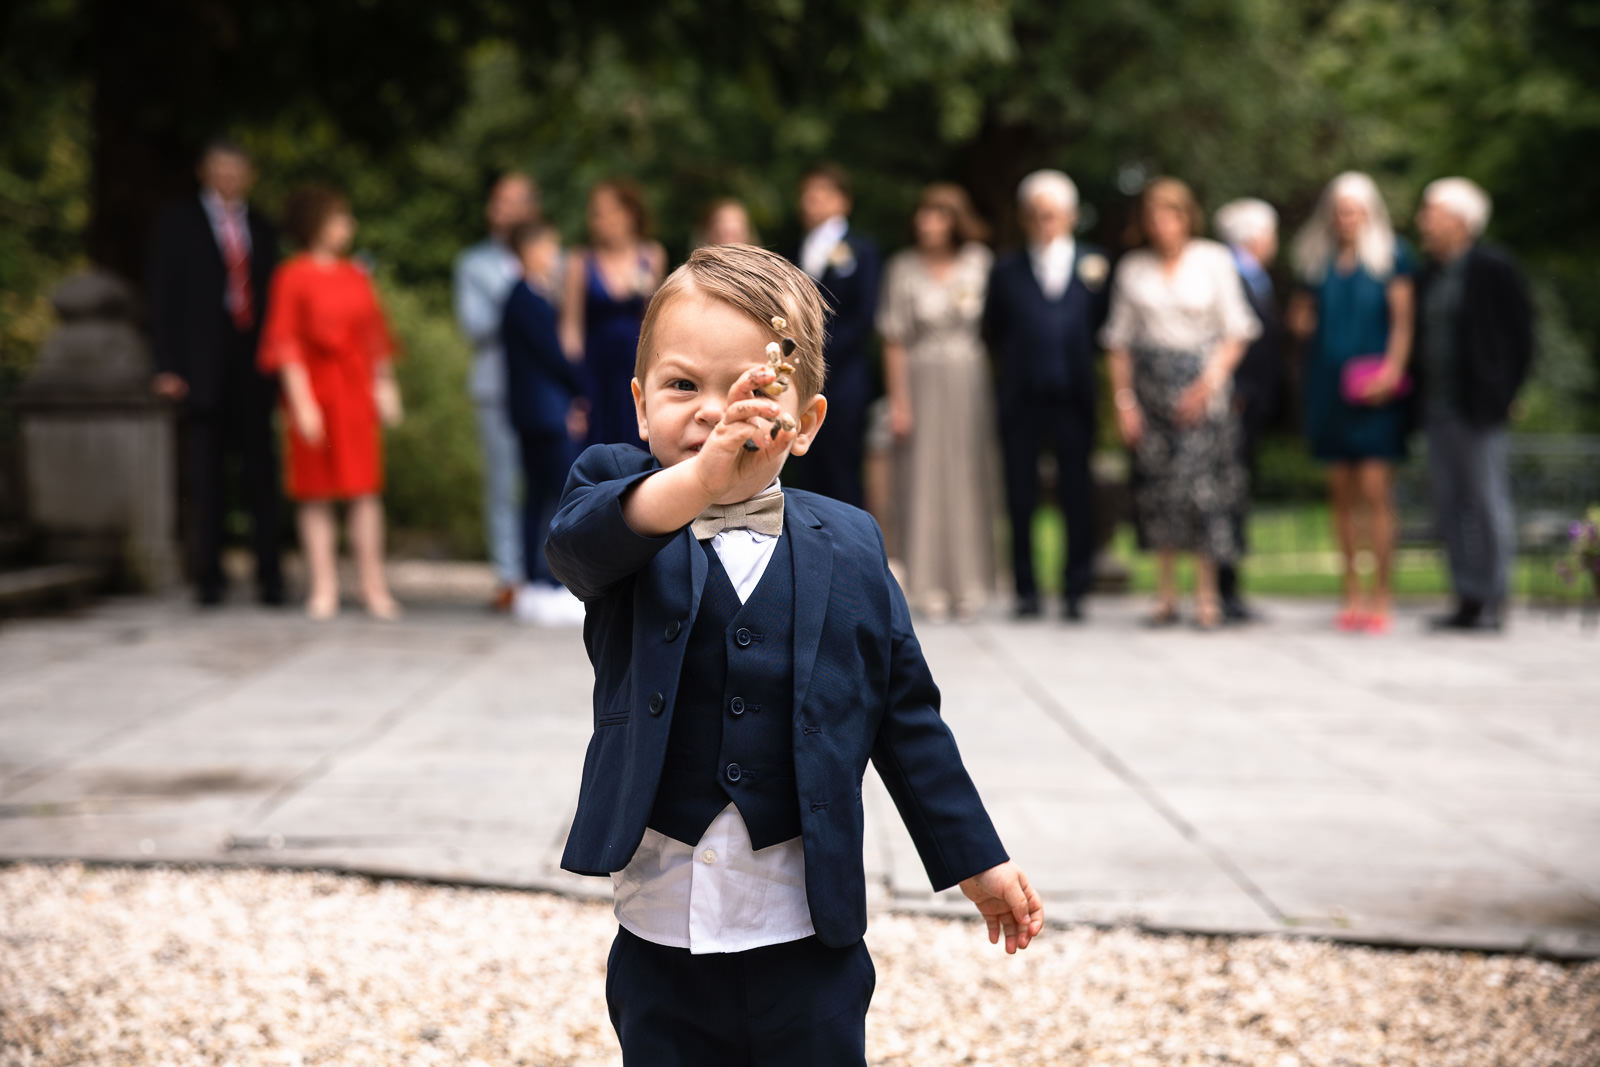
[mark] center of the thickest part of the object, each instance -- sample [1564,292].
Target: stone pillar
[97,445]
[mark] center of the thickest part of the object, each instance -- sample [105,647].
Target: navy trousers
[546,459]
[799,1004]
[1027,428]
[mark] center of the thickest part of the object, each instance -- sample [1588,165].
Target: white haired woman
[1356,314]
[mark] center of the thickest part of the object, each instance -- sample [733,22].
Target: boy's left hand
[1007,903]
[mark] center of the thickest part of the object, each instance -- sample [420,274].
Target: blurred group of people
[989,361]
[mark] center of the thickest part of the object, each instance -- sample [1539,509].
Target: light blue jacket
[484,277]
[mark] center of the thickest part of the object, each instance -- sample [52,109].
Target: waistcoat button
[736,705]
[657,703]
[742,637]
[672,629]
[734,773]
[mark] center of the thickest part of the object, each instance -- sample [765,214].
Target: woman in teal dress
[1356,305]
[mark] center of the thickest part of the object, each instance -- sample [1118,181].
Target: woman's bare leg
[1207,608]
[317,536]
[366,540]
[1375,481]
[1342,502]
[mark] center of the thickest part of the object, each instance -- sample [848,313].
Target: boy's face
[539,256]
[703,346]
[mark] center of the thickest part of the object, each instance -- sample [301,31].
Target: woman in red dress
[326,337]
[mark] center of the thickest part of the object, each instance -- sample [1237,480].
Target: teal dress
[1352,321]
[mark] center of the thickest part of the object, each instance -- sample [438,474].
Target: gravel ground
[238,966]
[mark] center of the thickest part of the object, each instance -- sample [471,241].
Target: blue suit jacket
[1038,346]
[851,291]
[540,381]
[861,689]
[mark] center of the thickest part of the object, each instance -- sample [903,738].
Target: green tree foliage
[409,105]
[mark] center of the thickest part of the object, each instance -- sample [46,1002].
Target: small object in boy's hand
[781,369]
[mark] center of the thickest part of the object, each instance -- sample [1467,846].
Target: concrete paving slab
[1408,790]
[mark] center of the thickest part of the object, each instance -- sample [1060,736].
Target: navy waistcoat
[732,733]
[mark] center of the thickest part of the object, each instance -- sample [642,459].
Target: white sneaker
[563,608]
[547,605]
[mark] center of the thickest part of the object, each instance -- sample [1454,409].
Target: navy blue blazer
[541,382]
[851,290]
[861,689]
[1040,345]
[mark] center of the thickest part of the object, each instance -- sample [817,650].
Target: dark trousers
[1470,483]
[832,466]
[1228,573]
[1027,427]
[236,436]
[799,1004]
[546,459]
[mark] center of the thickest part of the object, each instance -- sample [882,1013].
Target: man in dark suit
[1472,351]
[1044,306]
[1250,229]
[211,259]
[846,266]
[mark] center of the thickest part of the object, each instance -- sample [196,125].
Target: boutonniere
[842,260]
[1093,269]
[969,300]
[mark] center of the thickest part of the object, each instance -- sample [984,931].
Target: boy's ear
[810,422]
[638,409]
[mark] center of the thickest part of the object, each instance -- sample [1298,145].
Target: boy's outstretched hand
[1007,903]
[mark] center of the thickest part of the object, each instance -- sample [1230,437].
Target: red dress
[326,318]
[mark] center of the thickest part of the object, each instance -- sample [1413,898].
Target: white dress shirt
[819,245]
[719,894]
[1052,265]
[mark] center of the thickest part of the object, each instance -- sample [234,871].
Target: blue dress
[1352,321]
[610,341]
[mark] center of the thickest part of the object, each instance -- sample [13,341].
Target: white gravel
[242,967]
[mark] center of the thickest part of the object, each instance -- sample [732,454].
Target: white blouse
[1201,303]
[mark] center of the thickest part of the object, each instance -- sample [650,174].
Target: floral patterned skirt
[1187,480]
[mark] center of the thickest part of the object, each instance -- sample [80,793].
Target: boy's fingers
[745,410]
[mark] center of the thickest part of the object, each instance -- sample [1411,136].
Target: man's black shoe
[1072,610]
[208,596]
[1469,615]
[1236,611]
[1027,607]
[272,596]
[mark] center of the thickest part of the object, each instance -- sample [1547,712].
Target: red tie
[238,262]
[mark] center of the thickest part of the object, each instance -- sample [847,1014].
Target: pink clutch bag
[1358,375]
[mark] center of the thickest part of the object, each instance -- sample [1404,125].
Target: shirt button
[734,772]
[657,703]
[672,629]
[742,637]
[736,705]
[709,855]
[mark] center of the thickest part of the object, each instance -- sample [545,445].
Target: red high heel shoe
[1351,620]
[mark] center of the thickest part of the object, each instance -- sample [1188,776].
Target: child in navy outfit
[544,398]
[751,654]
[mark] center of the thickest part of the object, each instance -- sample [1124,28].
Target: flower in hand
[1008,904]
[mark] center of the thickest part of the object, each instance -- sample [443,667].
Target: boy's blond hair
[761,284]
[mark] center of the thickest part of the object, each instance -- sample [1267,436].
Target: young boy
[751,653]
[543,400]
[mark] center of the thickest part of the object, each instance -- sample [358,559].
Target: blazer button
[734,773]
[672,629]
[658,703]
[742,637]
[736,705]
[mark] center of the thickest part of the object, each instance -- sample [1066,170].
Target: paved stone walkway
[1413,789]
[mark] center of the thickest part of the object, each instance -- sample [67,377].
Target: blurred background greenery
[409,105]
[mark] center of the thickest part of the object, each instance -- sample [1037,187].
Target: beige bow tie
[762,514]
